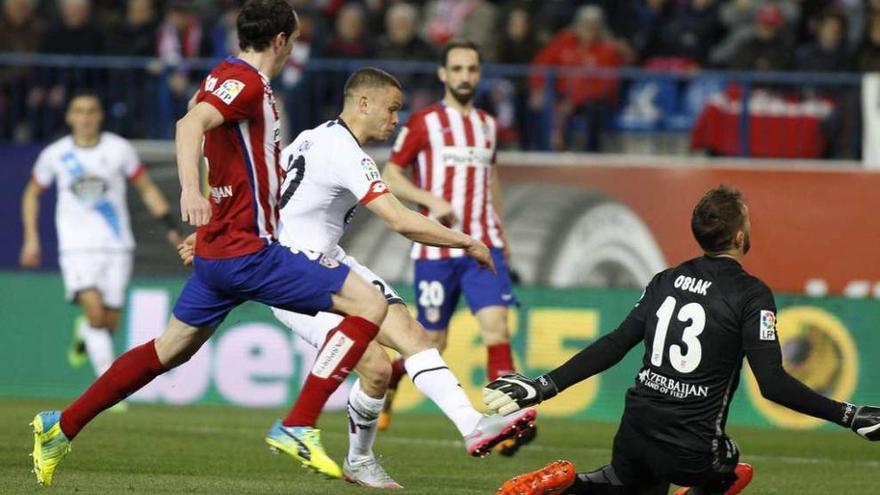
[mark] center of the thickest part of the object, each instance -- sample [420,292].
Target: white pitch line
[459,445]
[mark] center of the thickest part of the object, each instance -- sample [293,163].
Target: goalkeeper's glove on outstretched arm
[513,392]
[865,421]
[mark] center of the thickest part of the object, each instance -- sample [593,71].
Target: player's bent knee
[375,308]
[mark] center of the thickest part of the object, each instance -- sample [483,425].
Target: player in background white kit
[95,243]
[328,176]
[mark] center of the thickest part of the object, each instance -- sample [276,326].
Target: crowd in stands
[769,35]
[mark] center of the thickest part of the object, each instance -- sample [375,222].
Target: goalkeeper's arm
[513,392]
[778,386]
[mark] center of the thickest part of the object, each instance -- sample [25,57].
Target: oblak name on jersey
[692,284]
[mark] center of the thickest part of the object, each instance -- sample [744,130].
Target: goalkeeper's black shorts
[642,461]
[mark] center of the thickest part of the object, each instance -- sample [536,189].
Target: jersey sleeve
[608,350]
[360,175]
[131,163]
[235,98]
[759,318]
[43,172]
[413,137]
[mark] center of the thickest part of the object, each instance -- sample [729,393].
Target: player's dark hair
[259,21]
[370,77]
[84,93]
[452,45]
[717,218]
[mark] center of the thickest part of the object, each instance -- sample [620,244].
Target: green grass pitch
[220,450]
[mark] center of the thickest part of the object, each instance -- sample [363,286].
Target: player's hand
[513,392]
[866,422]
[444,213]
[187,249]
[30,255]
[195,209]
[481,254]
[174,238]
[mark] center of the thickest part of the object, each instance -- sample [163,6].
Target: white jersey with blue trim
[91,213]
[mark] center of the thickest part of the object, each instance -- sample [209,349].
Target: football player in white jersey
[95,243]
[328,176]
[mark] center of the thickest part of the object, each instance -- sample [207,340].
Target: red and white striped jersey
[243,162]
[452,156]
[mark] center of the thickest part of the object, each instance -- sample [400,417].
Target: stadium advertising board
[813,229]
[253,361]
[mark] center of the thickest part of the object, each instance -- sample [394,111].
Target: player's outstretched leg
[297,434]
[398,370]
[552,479]
[744,474]
[50,445]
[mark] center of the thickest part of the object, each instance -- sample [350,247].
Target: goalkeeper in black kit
[697,322]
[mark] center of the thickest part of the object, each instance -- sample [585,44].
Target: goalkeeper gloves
[513,392]
[865,421]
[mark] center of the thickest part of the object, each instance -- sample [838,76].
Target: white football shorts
[107,271]
[314,329]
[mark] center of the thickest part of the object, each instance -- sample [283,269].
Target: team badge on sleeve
[768,325]
[371,171]
[229,90]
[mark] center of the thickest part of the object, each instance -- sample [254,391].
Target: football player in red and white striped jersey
[450,148]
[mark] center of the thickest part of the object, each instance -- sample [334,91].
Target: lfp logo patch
[229,90]
[768,325]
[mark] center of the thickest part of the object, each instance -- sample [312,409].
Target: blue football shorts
[440,283]
[276,276]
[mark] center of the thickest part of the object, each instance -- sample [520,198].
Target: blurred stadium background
[671,97]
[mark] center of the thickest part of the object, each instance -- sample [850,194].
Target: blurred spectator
[20,29]
[136,35]
[740,19]
[695,27]
[868,56]
[646,27]
[75,34]
[509,99]
[465,19]
[856,13]
[586,45]
[350,38]
[829,51]
[401,40]
[181,36]
[224,38]
[766,49]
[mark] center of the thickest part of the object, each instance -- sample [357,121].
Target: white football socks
[99,345]
[363,415]
[431,375]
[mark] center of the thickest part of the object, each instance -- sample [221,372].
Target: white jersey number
[691,312]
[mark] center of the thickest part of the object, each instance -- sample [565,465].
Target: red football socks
[340,353]
[398,370]
[128,374]
[500,360]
